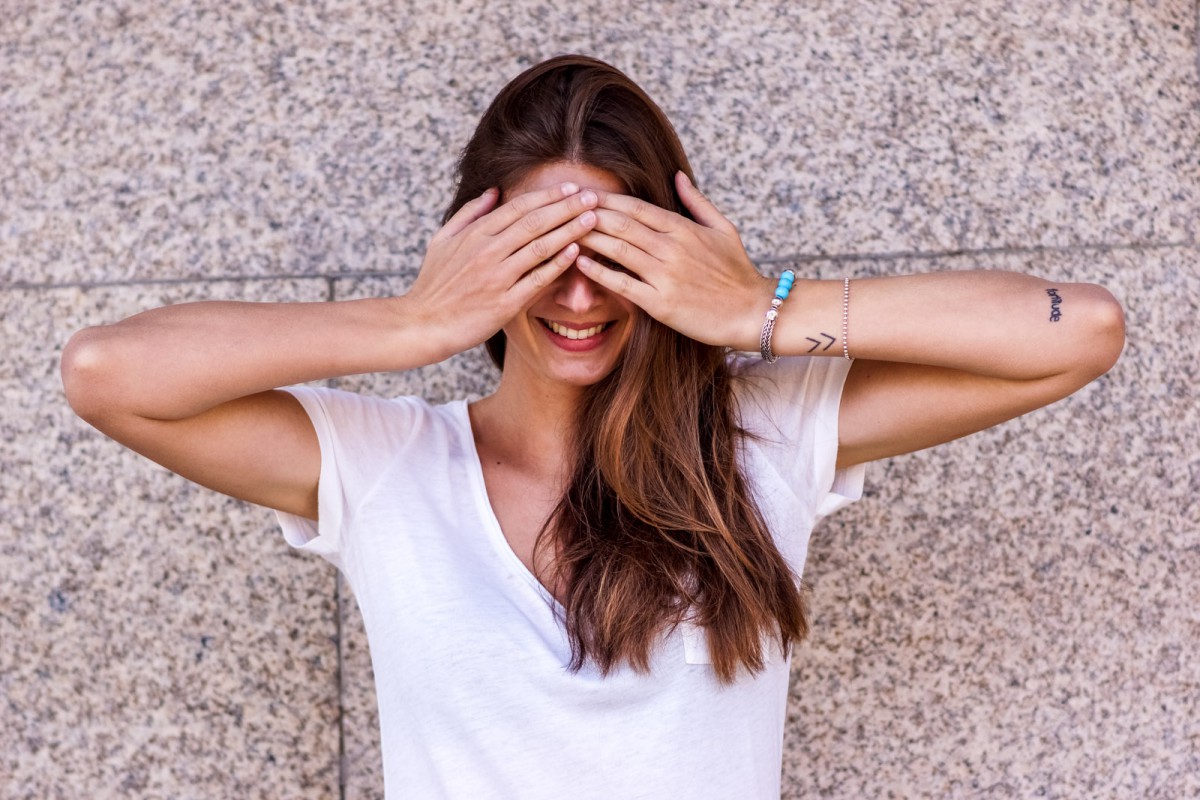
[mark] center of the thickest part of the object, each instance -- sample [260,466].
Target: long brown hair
[656,524]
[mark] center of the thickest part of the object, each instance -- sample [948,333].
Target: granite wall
[1014,615]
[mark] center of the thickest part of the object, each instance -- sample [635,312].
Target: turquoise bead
[784,287]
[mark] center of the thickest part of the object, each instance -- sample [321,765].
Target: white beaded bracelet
[846,319]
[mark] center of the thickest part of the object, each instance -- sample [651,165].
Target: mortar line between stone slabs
[916,255]
[120,282]
[931,255]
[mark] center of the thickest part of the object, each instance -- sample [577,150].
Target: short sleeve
[359,436]
[790,408]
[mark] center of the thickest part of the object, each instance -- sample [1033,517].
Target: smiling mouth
[576,333]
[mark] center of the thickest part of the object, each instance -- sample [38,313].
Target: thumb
[703,211]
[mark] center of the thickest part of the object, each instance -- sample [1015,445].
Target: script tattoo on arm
[1055,305]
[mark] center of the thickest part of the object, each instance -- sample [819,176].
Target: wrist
[766,336]
[810,321]
[748,332]
[416,334]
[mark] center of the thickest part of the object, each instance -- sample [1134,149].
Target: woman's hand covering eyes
[488,262]
[694,277]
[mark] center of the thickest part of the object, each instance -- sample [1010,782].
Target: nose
[575,291]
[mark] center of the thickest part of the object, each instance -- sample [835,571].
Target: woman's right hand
[488,262]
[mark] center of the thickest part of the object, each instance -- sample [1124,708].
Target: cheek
[632,311]
[517,326]
[633,322]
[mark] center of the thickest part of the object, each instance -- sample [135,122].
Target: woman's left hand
[694,277]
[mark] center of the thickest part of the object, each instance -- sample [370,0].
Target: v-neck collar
[491,523]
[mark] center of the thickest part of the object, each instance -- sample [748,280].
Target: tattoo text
[1055,305]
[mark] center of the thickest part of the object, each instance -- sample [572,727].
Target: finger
[618,282]
[623,253]
[541,276]
[529,229]
[551,242]
[650,215]
[471,211]
[703,211]
[625,227]
[528,203]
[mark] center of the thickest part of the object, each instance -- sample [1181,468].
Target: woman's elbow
[1105,338]
[83,375]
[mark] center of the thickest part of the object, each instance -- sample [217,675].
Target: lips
[575,334]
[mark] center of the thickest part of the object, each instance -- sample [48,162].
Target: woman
[585,584]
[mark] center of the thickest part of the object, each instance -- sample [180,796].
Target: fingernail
[588,218]
[584,261]
[686,179]
[588,197]
[569,189]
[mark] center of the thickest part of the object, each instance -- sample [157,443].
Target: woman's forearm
[694,276]
[178,361]
[480,269]
[1000,324]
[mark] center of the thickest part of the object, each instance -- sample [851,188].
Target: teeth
[572,333]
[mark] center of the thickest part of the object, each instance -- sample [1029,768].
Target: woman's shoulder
[790,409]
[331,396]
[793,377]
[787,397]
[353,413]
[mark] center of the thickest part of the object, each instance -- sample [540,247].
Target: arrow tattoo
[817,343]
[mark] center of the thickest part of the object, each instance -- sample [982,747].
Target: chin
[583,378]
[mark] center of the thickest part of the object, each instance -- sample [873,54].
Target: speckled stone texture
[1012,615]
[157,639]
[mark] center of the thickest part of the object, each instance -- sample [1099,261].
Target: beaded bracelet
[846,319]
[782,289]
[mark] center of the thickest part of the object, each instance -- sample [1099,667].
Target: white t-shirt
[475,697]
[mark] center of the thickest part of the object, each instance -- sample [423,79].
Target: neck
[528,424]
